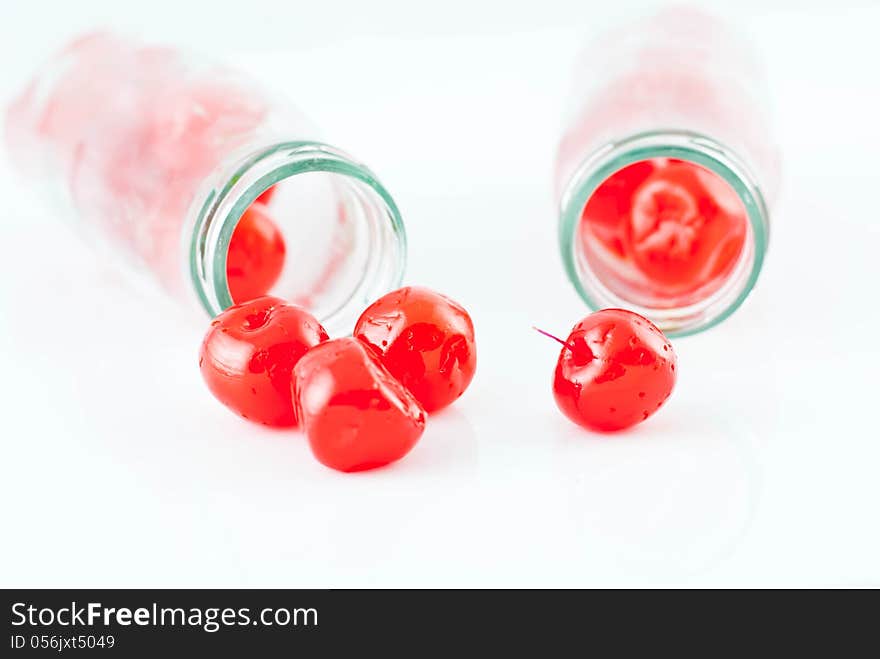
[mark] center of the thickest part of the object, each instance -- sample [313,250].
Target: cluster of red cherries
[361,400]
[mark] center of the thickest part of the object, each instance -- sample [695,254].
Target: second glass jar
[665,172]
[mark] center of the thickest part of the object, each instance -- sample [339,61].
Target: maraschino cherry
[248,355]
[426,341]
[615,370]
[356,415]
[256,255]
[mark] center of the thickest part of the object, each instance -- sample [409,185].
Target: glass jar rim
[231,191]
[689,146]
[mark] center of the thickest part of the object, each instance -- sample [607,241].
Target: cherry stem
[555,338]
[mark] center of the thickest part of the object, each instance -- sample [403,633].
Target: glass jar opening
[301,221]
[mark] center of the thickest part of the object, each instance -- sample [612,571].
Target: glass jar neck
[370,246]
[686,146]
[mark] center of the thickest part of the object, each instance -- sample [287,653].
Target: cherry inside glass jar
[663,232]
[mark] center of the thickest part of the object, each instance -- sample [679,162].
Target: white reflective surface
[118,468]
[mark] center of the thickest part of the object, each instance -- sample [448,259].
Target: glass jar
[665,172]
[162,156]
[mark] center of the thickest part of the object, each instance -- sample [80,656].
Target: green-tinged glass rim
[208,244]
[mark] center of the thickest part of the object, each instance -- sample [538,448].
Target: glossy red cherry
[615,370]
[248,355]
[356,415]
[425,339]
[256,255]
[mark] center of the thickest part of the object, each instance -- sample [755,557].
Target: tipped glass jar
[173,160]
[665,172]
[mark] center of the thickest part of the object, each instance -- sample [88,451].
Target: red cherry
[355,414]
[615,370]
[248,355]
[686,227]
[256,255]
[612,201]
[425,339]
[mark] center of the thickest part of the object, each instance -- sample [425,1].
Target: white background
[118,468]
